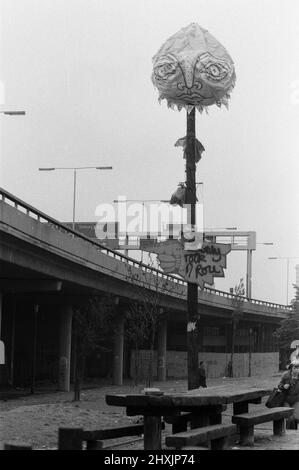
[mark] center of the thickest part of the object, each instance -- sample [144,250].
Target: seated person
[289,383]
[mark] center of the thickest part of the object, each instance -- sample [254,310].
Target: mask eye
[164,70]
[214,70]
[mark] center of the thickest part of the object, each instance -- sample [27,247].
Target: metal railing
[40,216]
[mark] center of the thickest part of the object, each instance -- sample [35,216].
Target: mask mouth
[193,96]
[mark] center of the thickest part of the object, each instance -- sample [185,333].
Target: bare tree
[138,328]
[239,291]
[93,322]
[144,312]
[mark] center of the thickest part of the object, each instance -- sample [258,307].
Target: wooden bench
[73,438]
[217,434]
[206,416]
[247,421]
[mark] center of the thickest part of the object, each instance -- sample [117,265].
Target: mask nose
[187,67]
[189,90]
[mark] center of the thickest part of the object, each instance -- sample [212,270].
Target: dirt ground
[35,419]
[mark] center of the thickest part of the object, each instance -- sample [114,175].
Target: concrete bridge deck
[35,248]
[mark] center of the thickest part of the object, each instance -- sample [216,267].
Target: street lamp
[13,113]
[116,201]
[287,258]
[266,243]
[249,250]
[75,179]
[221,228]
[249,268]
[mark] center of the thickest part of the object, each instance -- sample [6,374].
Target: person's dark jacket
[202,377]
[291,393]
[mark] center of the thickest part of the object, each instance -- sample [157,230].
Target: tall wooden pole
[192,290]
[74,200]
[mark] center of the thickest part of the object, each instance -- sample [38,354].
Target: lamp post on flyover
[287,258]
[249,248]
[249,269]
[116,201]
[75,169]
[13,113]
[221,228]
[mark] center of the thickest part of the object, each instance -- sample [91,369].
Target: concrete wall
[216,364]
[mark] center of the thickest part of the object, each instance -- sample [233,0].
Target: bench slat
[257,417]
[199,435]
[116,400]
[194,448]
[186,417]
[113,433]
[132,430]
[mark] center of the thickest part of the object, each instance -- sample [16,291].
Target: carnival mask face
[193,69]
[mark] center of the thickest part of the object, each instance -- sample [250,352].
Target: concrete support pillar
[12,342]
[162,349]
[118,351]
[1,303]
[2,352]
[263,338]
[65,341]
[34,346]
[228,333]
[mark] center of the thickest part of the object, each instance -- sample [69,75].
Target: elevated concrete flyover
[47,262]
[44,249]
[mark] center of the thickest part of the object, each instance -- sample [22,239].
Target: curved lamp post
[287,258]
[192,70]
[75,169]
[116,201]
[13,113]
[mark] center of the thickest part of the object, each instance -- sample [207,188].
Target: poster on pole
[202,266]
[197,266]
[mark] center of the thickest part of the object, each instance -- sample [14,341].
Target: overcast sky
[81,69]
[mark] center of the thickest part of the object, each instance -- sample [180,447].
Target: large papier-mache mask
[192,69]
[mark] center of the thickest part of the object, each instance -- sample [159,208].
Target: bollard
[94,445]
[70,438]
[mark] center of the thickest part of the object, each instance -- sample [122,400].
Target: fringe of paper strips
[201,108]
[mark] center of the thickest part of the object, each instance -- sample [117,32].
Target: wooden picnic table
[201,402]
